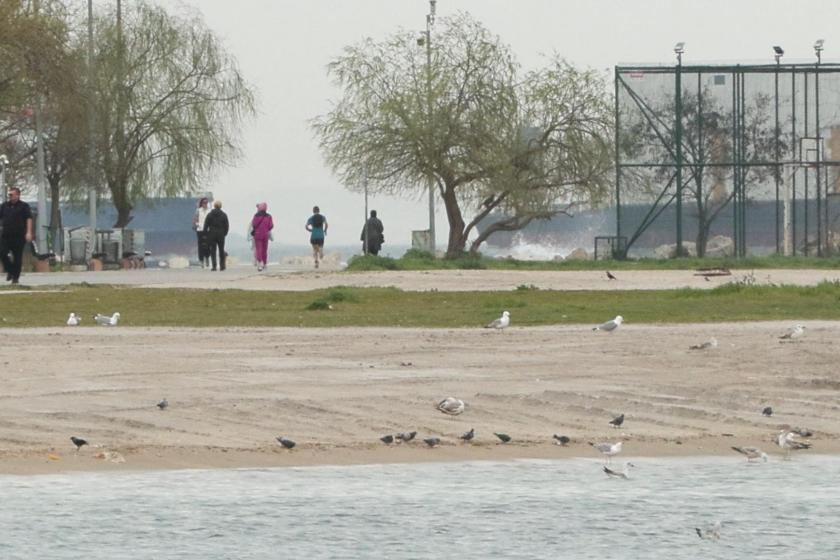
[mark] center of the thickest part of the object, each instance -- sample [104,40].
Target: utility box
[421,239]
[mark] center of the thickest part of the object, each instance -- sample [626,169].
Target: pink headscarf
[262,207]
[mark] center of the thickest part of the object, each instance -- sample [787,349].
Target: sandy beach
[336,391]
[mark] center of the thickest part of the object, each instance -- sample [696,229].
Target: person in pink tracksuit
[261,226]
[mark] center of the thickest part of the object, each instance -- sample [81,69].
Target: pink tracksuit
[261,225]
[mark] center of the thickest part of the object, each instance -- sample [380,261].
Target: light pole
[91,150]
[679,49]
[818,47]
[430,22]
[778,53]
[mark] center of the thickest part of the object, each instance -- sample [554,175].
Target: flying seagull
[710,533]
[787,441]
[711,343]
[107,321]
[793,333]
[452,406]
[608,449]
[285,442]
[503,437]
[561,440]
[617,421]
[405,436]
[73,320]
[432,441]
[500,323]
[610,276]
[767,411]
[624,473]
[468,436]
[751,453]
[387,440]
[78,442]
[610,326]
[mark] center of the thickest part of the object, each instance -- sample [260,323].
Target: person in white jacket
[198,225]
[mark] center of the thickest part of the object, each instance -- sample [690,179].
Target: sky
[283,48]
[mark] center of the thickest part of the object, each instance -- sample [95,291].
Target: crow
[78,442]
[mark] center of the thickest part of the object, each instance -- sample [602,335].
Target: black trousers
[217,243]
[13,245]
[203,246]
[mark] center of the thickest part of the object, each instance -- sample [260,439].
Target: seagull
[608,449]
[73,320]
[500,323]
[285,442]
[561,440]
[451,406]
[767,411]
[468,436]
[624,473]
[610,326]
[432,441]
[78,442]
[617,421]
[710,533]
[610,276]
[793,333]
[405,436]
[163,405]
[106,320]
[711,343]
[503,437]
[751,453]
[787,441]
[387,440]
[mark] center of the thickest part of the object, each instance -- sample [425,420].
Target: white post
[788,214]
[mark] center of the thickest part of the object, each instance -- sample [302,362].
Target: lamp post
[430,22]
[679,49]
[91,150]
[778,53]
[818,47]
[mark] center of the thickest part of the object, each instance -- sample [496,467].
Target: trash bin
[77,250]
[112,251]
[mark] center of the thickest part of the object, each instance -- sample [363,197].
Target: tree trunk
[457,237]
[119,197]
[55,211]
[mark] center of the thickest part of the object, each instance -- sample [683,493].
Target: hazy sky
[283,48]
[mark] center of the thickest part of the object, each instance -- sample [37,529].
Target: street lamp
[778,53]
[430,22]
[818,47]
[679,49]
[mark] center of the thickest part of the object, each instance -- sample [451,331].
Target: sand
[336,391]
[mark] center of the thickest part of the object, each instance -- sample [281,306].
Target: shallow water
[520,509]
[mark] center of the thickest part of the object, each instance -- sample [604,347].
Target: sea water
[518,509]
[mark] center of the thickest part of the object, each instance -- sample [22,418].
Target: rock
[179,262]
[720,246]
[578,255]
[558,258]
[669,251]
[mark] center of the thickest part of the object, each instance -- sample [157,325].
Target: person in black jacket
[216,228]
[372,237]
[16,218]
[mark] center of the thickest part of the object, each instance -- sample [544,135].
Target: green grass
[418,260]
[343,306]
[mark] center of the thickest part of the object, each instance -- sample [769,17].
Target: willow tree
[497,143]
[169,104]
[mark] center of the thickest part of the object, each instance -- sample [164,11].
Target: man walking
[216,228]
[372,236]
[16,217]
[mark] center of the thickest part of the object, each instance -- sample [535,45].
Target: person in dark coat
[372,242]
[16,218]
[216,228]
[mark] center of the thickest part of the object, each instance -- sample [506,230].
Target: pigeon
[163,405]
[405,436]
[468,436]
[432,441]
[561,440]
[107,321]
[503,437]
[617,421]
[711,343]
[793,333]
[711,533]
[625,473]
[608,449]
[285,442]
[767,411]
[802,432]
[78,442]
[387,440]
[452,406]
[73,320]
[610,326]
[610,276]
[500,323]
[751,453]
[787,441]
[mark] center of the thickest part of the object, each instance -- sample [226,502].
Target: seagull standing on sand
[107,321]
[73,320]
[793,333]
[452,406]
[501,323]
[787,441]
[624,473]
[711,533]
[617,421]
[751,453]
[610,326]
[608,449]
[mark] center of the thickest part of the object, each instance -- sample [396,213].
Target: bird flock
[103,320]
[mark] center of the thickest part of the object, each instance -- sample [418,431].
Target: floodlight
[778,50]
[818,45]
[679,48]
